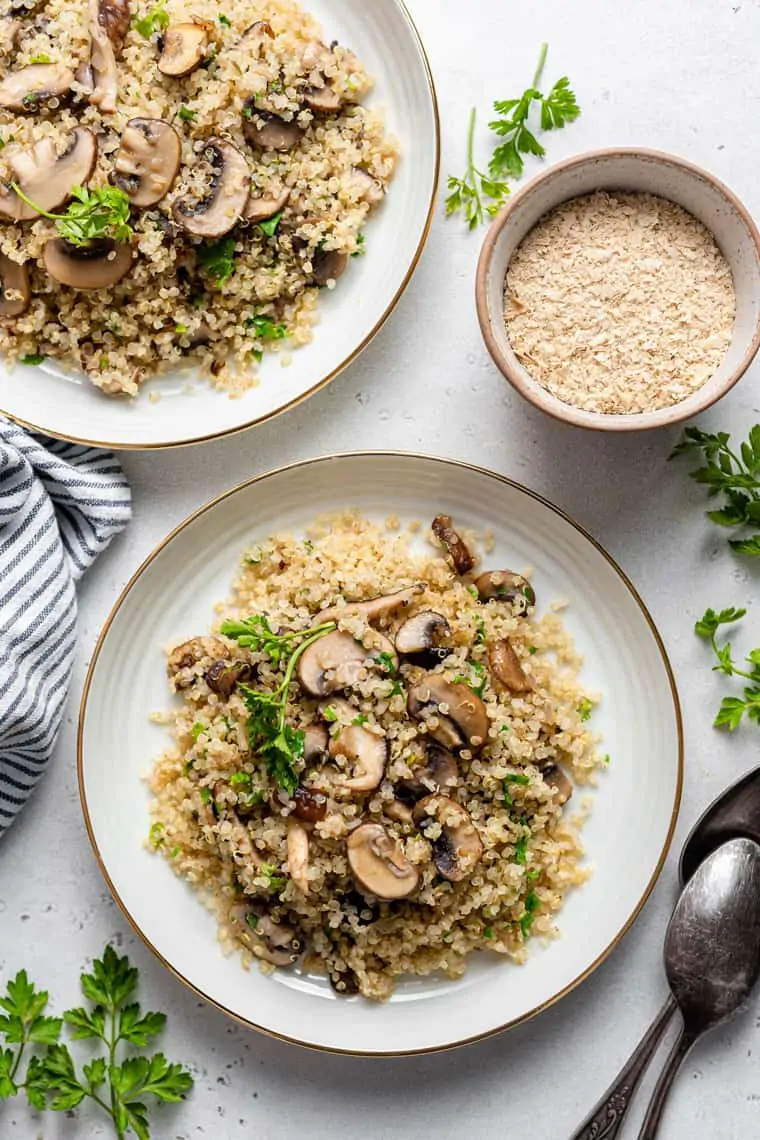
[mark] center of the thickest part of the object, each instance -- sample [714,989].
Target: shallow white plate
[172,597]
[189,410]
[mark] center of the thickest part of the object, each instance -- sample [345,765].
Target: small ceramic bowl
[648,171]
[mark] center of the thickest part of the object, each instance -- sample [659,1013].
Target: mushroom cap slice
[438,774]
[324,100]
[373,608]
[147,161]
[556,777]
[34,87]
[230,186]
[458,848]
[338,661]
[267,131]
[114,17]
[458,552]
[461,720]
[421,632]
[368,752]
[506,670]
[328,265]
[87,268]
[298,855]
[272,941]
[378,863]
[505,586]
[262,209]
[184,47]
[14,278]
[47,178]
[315,743]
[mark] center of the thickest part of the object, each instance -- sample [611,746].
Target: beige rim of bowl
[349,359]
[531,390]
[645,614]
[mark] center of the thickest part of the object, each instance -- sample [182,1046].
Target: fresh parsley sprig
[735,476]
[92,215]
[270,736]
[51,1080]
[481,195]
[732,709]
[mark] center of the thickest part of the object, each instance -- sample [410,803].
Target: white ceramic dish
[189,410]
[651,172]
[172,597]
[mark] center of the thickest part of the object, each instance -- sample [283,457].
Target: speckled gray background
[681,75]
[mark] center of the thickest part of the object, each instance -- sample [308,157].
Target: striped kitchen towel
[60,505]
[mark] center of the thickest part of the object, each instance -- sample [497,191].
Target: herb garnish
[521,849]
[155,20]
[32,358]
[240,780]
[280,745]
[225,20]
[532,903]
[267,329]
[270,225]
[736,477]
[585,709]
[187,115]
[732,709]
[481,195]
[156,835]
[218,259]
[488,932]
[51,1080]
[478,685]
[41,58]
[361,243]
[92,216]
[277,881]
[513,778]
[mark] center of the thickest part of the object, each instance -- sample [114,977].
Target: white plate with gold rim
[172,596]
[182,408]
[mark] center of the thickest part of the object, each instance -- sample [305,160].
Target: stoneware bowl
[669,177]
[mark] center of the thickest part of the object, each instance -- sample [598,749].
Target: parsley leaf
[468,193]
[225,20]
[732,709]
[532,903]
[155,20]
[521,850]
[266,329]
[186,115]
[92,216]
[585,709]
[32,358]
[513,778]
[735,476]
[218,259]
[270,225]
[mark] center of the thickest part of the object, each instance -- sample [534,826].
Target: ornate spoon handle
[606,1118]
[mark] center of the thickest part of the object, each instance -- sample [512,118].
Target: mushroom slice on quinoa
[223,676]
[325,100]
[298,856]
[47,178]
[379,864]
[268,131]
[338,661]
[458,552]
[455,715]
[421,632]
[109,23]
[184,664]
[268,939]
[453,837]
[505,586]
[315,742]
[88,267]
[35,88]
[15,292]
[147,161]
[223,207]
[262,209]
[328,265]
[184,47]
[557,778]
[506,670]
[367,751]
[309,804]
[439,773]
[374,608]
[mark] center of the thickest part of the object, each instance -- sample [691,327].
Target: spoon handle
[665,1080]
[606,1118]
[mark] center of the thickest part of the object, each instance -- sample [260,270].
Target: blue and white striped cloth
[60,505]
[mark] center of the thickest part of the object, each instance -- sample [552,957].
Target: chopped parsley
[330,714]
[156,19]
[488,932]
[181,329]
[477,685]
[270,225]
[33,358]
[156,835]
[218,259]
[276,881]
[607,758]
[360,719]
[505,728]
[247,112]
[532,903]
[532,649]
[252,920]
[41,58]
[266,329]
[585,709]
[196,730]
[521,850]
[225,20]
[396,689]
[174,853]
[257,355]
[205,795]
[473,590]
[513,778]
[387,662]
[480,636]
[240,780]
[360,246]
[186,115]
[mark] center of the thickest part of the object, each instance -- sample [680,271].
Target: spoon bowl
[735,813]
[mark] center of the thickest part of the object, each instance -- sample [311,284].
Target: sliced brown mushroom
[379,864]
[47,178]
[325,100]
[556,777]
[506,670]
[328,265]
[109,24]
[459,716]
[15,292]
[262,209]
[298,856]
[421,632]
[147,161]
[35,88]
[443,529]
[439,773]
[184,47]
[87,267]
[458,847]
[268,131]
[316,56]
[181,666]
[309,804]
[338,661]
[373,608]
[368,188]
[505,586]
[264,936]
[223,676]
[315,741]
[222,208]
[367,751]
[115,17]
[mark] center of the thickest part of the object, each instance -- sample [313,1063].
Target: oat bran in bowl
[620,290]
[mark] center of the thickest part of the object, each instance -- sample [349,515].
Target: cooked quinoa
[214,303]
[467,839]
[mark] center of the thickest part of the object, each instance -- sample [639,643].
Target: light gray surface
[681,76]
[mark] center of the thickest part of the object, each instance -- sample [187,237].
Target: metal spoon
[712,954]
[735,812]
